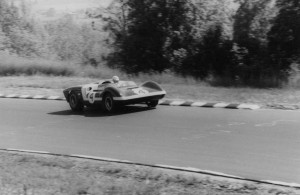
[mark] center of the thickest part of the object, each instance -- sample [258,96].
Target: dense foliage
[63,38]
[284,36]
[247,42]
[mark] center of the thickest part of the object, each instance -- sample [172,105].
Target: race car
[112,93]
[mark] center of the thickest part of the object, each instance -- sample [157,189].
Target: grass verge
[180,88]
[45,77]
[13,65]
[45,174]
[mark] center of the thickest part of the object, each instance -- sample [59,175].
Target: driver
[115,79]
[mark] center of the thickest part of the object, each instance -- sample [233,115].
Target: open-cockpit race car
[111,93]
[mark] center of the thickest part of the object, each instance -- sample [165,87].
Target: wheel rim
[108,103]
[73,100]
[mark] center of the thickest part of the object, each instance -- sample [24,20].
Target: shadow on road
[96,112]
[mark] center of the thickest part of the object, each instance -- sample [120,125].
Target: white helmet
[115,79]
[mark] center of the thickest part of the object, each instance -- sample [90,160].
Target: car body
[110,95]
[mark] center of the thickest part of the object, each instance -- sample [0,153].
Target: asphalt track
[260,144]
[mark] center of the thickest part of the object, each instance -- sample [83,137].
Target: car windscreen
[127,84]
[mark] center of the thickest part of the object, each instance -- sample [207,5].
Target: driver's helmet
[115,79]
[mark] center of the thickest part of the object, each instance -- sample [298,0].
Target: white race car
[109,95]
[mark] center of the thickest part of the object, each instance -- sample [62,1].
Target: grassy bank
[180,88]
[14,65]
[46,77]
[43,174]
[18,66]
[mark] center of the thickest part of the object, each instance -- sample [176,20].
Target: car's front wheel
[75,103]
[152,103]
[108,104]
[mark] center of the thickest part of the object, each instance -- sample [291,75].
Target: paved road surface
[261,144]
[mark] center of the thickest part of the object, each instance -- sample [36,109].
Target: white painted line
[24,96]
[221,174]
[193,169]
[248,106]
[198,104]
[168,166]
[38,96]
[296,185]
[31,151]
[220,105]
[11,96]
[176,103]
[199,171]
[98,158]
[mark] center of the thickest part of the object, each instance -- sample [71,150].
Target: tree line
[228,42]
[248,42]
[64,38]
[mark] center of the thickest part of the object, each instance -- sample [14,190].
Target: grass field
[30,174]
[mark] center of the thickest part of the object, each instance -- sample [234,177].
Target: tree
[252,22]
[151,35]
[8,16]
[8,20]
[211,13]
[263,21]
[284,37]
[18,30]
[3,41]
[72,41]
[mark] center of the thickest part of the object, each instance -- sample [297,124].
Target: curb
[165,102]
[37,97]
[168,102]
[184,169]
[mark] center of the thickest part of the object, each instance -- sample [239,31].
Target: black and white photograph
[149,97]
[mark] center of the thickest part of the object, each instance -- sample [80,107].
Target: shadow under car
[97,112]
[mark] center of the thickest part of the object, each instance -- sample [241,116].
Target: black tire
[108,104]
[75,103]
[152,103]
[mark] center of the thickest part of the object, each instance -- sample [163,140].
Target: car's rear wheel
[152,103]
[108,104]
[75,103]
